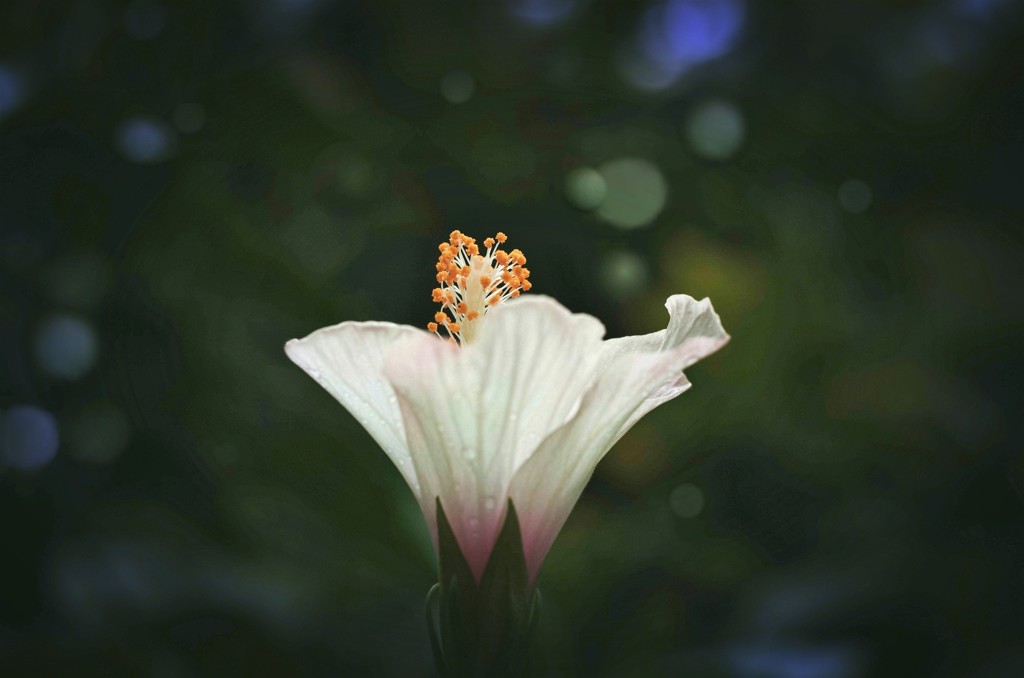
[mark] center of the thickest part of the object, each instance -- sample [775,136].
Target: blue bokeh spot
[682,33]
[29,438]
[144,140]
[541,12]
[12,90]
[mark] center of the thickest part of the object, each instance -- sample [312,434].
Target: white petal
[688,319]
[348,361]
[474,415]
[636,375]
[693,327]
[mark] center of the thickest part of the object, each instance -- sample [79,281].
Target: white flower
[521,401]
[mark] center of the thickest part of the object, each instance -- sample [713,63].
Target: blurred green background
[184,185]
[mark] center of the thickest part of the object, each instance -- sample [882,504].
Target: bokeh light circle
[679,33]
[636,192]
[12,90]
[687,500]
[624,273]
[675,36]
[144,140]
[541,12]
[854,196]
[66,347]
[28,438]
[715,129]
[585,188]
[457,87]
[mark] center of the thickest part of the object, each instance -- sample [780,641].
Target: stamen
[471,281]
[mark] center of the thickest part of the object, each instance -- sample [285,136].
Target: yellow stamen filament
[472,280]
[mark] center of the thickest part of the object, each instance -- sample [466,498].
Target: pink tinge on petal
[477,550]
[537,540]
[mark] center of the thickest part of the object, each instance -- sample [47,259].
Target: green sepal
[482,628]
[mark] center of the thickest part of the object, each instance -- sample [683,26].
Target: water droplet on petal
[489,503]
[469,453]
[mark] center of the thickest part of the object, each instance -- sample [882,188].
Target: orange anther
[502,276]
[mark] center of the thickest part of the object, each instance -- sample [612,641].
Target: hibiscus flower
[503,397]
